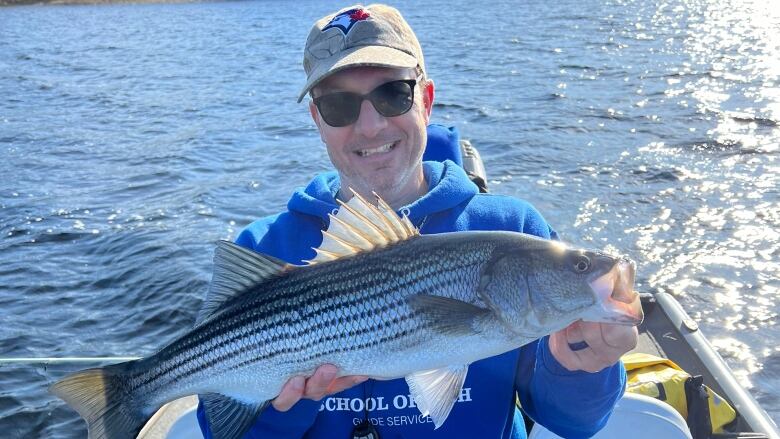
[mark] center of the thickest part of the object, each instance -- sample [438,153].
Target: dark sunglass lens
[393,98]
[339,109]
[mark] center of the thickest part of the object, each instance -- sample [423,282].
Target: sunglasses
[390,99]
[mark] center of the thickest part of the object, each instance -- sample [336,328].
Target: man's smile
[380,149]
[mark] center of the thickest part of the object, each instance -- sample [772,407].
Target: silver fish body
[423,308]
[358,313]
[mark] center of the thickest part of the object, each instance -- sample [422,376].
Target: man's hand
[323,382]
[606,343]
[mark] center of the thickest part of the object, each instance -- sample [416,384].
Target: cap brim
[360,56]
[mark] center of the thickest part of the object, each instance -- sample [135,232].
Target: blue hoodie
[570,404]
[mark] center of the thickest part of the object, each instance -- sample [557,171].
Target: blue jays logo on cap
[345,20]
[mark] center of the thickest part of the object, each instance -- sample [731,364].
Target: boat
[667,332]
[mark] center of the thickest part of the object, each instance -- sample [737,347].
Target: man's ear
[427,97]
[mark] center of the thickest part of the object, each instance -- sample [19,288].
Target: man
[371,102]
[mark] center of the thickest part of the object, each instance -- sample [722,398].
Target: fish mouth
[614,290]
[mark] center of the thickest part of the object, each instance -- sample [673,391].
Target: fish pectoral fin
[435,391]
[236,269]
[229,418]
[450,316]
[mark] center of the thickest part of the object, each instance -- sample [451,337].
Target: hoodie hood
[448,186]
[318,198]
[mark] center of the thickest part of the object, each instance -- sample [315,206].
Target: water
[133,137]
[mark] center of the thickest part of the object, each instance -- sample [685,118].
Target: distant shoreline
[84,2]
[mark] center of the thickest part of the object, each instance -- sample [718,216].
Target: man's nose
[370,122]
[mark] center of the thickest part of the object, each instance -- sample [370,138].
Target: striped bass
[379,299]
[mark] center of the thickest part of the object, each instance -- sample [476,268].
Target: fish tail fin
[98,396]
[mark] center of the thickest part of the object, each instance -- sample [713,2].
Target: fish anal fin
[229,418]
[451,316]
[237,268]
[435,391]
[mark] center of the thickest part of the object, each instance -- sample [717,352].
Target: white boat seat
[176,420]
[635,417]
[186,427]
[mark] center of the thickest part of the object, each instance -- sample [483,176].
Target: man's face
[378,153]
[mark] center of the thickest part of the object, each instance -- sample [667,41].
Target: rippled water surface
[132,137]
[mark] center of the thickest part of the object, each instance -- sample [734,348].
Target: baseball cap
[374,35]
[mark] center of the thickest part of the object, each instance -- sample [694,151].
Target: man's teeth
[368,152]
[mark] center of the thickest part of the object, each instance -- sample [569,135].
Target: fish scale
[323,288]
[421,307]
[317,292]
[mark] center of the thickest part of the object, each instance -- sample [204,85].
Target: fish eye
[581,264]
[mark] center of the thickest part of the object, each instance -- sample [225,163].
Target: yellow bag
[661,378]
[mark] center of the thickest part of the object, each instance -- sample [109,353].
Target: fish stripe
[226,342]
[313,290]
[223,342]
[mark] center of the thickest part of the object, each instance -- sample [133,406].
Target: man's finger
[585,348]
[574,337]
[578,346]
[574,333]
[560,349]
[590,361]
[292,391]
[609,341]
[620,337]
[605,353]
[591,333]
[343,383]
[317,385]
[591,346]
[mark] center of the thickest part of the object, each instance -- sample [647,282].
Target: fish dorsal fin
[229,418]
[435,391]
[360,226]
[236,268]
